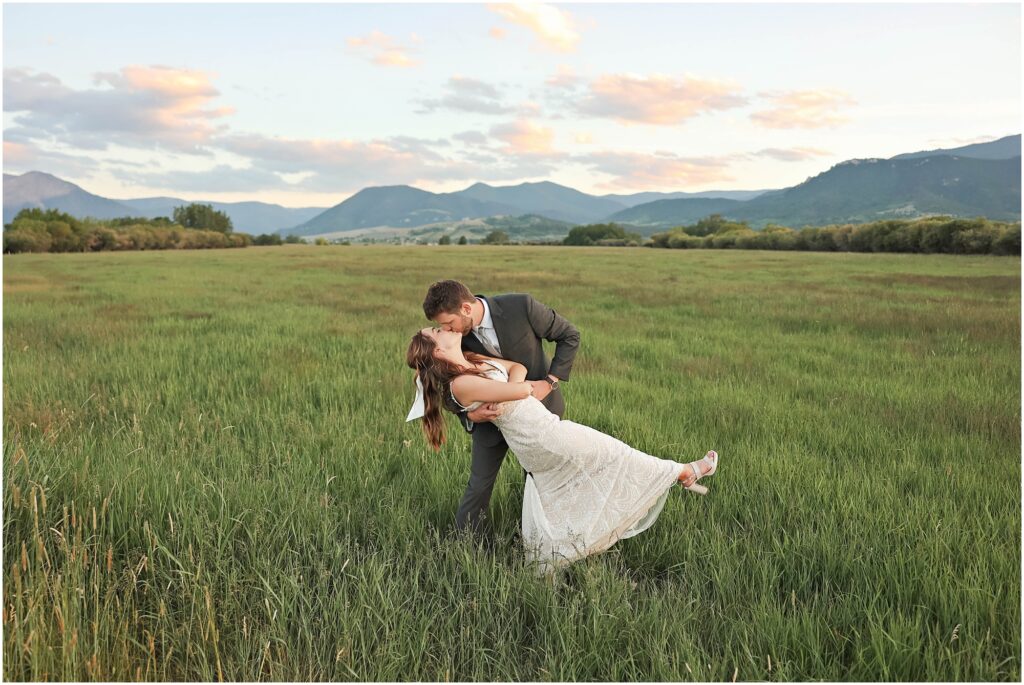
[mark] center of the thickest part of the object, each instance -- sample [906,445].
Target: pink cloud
[657,99]
[553,27]
[793,154]
[659,171]
[140,106]
[803,109]
[522,137]
[383,50]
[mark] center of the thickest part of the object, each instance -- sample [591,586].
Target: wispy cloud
[144,107]
[792,154]
[522,137]
[803,109]
[21,157]
[658,171]
[383,50]
[565,78]
[465,94]
[553,27]
[655,99]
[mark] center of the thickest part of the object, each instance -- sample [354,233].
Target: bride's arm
[516,371]
[468,389]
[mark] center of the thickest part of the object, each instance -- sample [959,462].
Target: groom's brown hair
[445,297]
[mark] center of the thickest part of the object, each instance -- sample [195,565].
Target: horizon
[604,99]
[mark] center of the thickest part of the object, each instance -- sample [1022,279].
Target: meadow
[208,476]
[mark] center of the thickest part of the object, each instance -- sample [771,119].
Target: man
[510,327]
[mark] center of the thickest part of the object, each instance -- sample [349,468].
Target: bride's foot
[698,469]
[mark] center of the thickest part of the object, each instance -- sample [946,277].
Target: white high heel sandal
[711,458]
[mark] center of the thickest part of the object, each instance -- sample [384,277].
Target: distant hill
[399,207]
[982,179]
[1007,147]
[860,190]
[45,191]
[519,228]
[547,199]
[660,213]
[247,217]
[37,190]
[405,206]
[643,198]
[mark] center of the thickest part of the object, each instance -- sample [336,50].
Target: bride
[585,490]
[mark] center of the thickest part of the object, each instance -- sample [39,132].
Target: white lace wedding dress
[585,490]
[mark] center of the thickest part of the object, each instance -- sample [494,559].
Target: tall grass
[207,474]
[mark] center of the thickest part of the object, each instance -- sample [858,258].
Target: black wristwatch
[554,385]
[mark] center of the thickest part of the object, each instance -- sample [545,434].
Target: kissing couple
[484,361]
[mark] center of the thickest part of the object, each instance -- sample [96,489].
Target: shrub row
[36,230]
[944,234]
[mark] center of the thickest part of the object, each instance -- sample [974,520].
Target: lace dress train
[585,490]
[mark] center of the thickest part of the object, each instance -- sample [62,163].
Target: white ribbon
[418,406]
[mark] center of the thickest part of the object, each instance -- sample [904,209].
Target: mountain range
[44,191]
[982,179]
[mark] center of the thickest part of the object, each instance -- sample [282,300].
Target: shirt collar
[485,322]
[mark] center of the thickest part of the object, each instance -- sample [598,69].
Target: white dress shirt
[485,332]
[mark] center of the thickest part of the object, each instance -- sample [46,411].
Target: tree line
[195,226]
[935,234]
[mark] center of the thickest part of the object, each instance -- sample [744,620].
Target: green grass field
[207,473]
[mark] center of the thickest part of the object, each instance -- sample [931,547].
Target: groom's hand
[484,413]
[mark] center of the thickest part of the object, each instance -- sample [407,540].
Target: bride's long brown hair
[436,376]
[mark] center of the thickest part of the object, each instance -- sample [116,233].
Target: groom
[507,327]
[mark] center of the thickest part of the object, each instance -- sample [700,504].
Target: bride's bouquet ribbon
[418,406]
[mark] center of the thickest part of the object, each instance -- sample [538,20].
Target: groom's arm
[551,326]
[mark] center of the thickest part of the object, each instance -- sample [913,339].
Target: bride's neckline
[486,366]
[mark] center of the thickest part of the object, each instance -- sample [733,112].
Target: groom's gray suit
[520,323]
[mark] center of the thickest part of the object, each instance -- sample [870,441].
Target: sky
[304,105]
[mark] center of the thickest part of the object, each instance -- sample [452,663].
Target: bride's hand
[541,389]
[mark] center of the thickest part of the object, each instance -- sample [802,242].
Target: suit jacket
[520,323]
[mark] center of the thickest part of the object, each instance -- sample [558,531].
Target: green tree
[496,238]
[715,224]
[600,234]
[203,217]
[445,240]
[462,240]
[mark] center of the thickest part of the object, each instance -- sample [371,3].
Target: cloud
[793,154]
[565,78]
[471,137]
[143,107]
[658,171]
[383,50]
[959,142]
[219,179]
[22,157]
[803,109]
[656,99]
[348,165]
[522,137]
[553,27]
[465,94]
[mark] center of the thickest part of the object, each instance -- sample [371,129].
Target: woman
[585,490]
